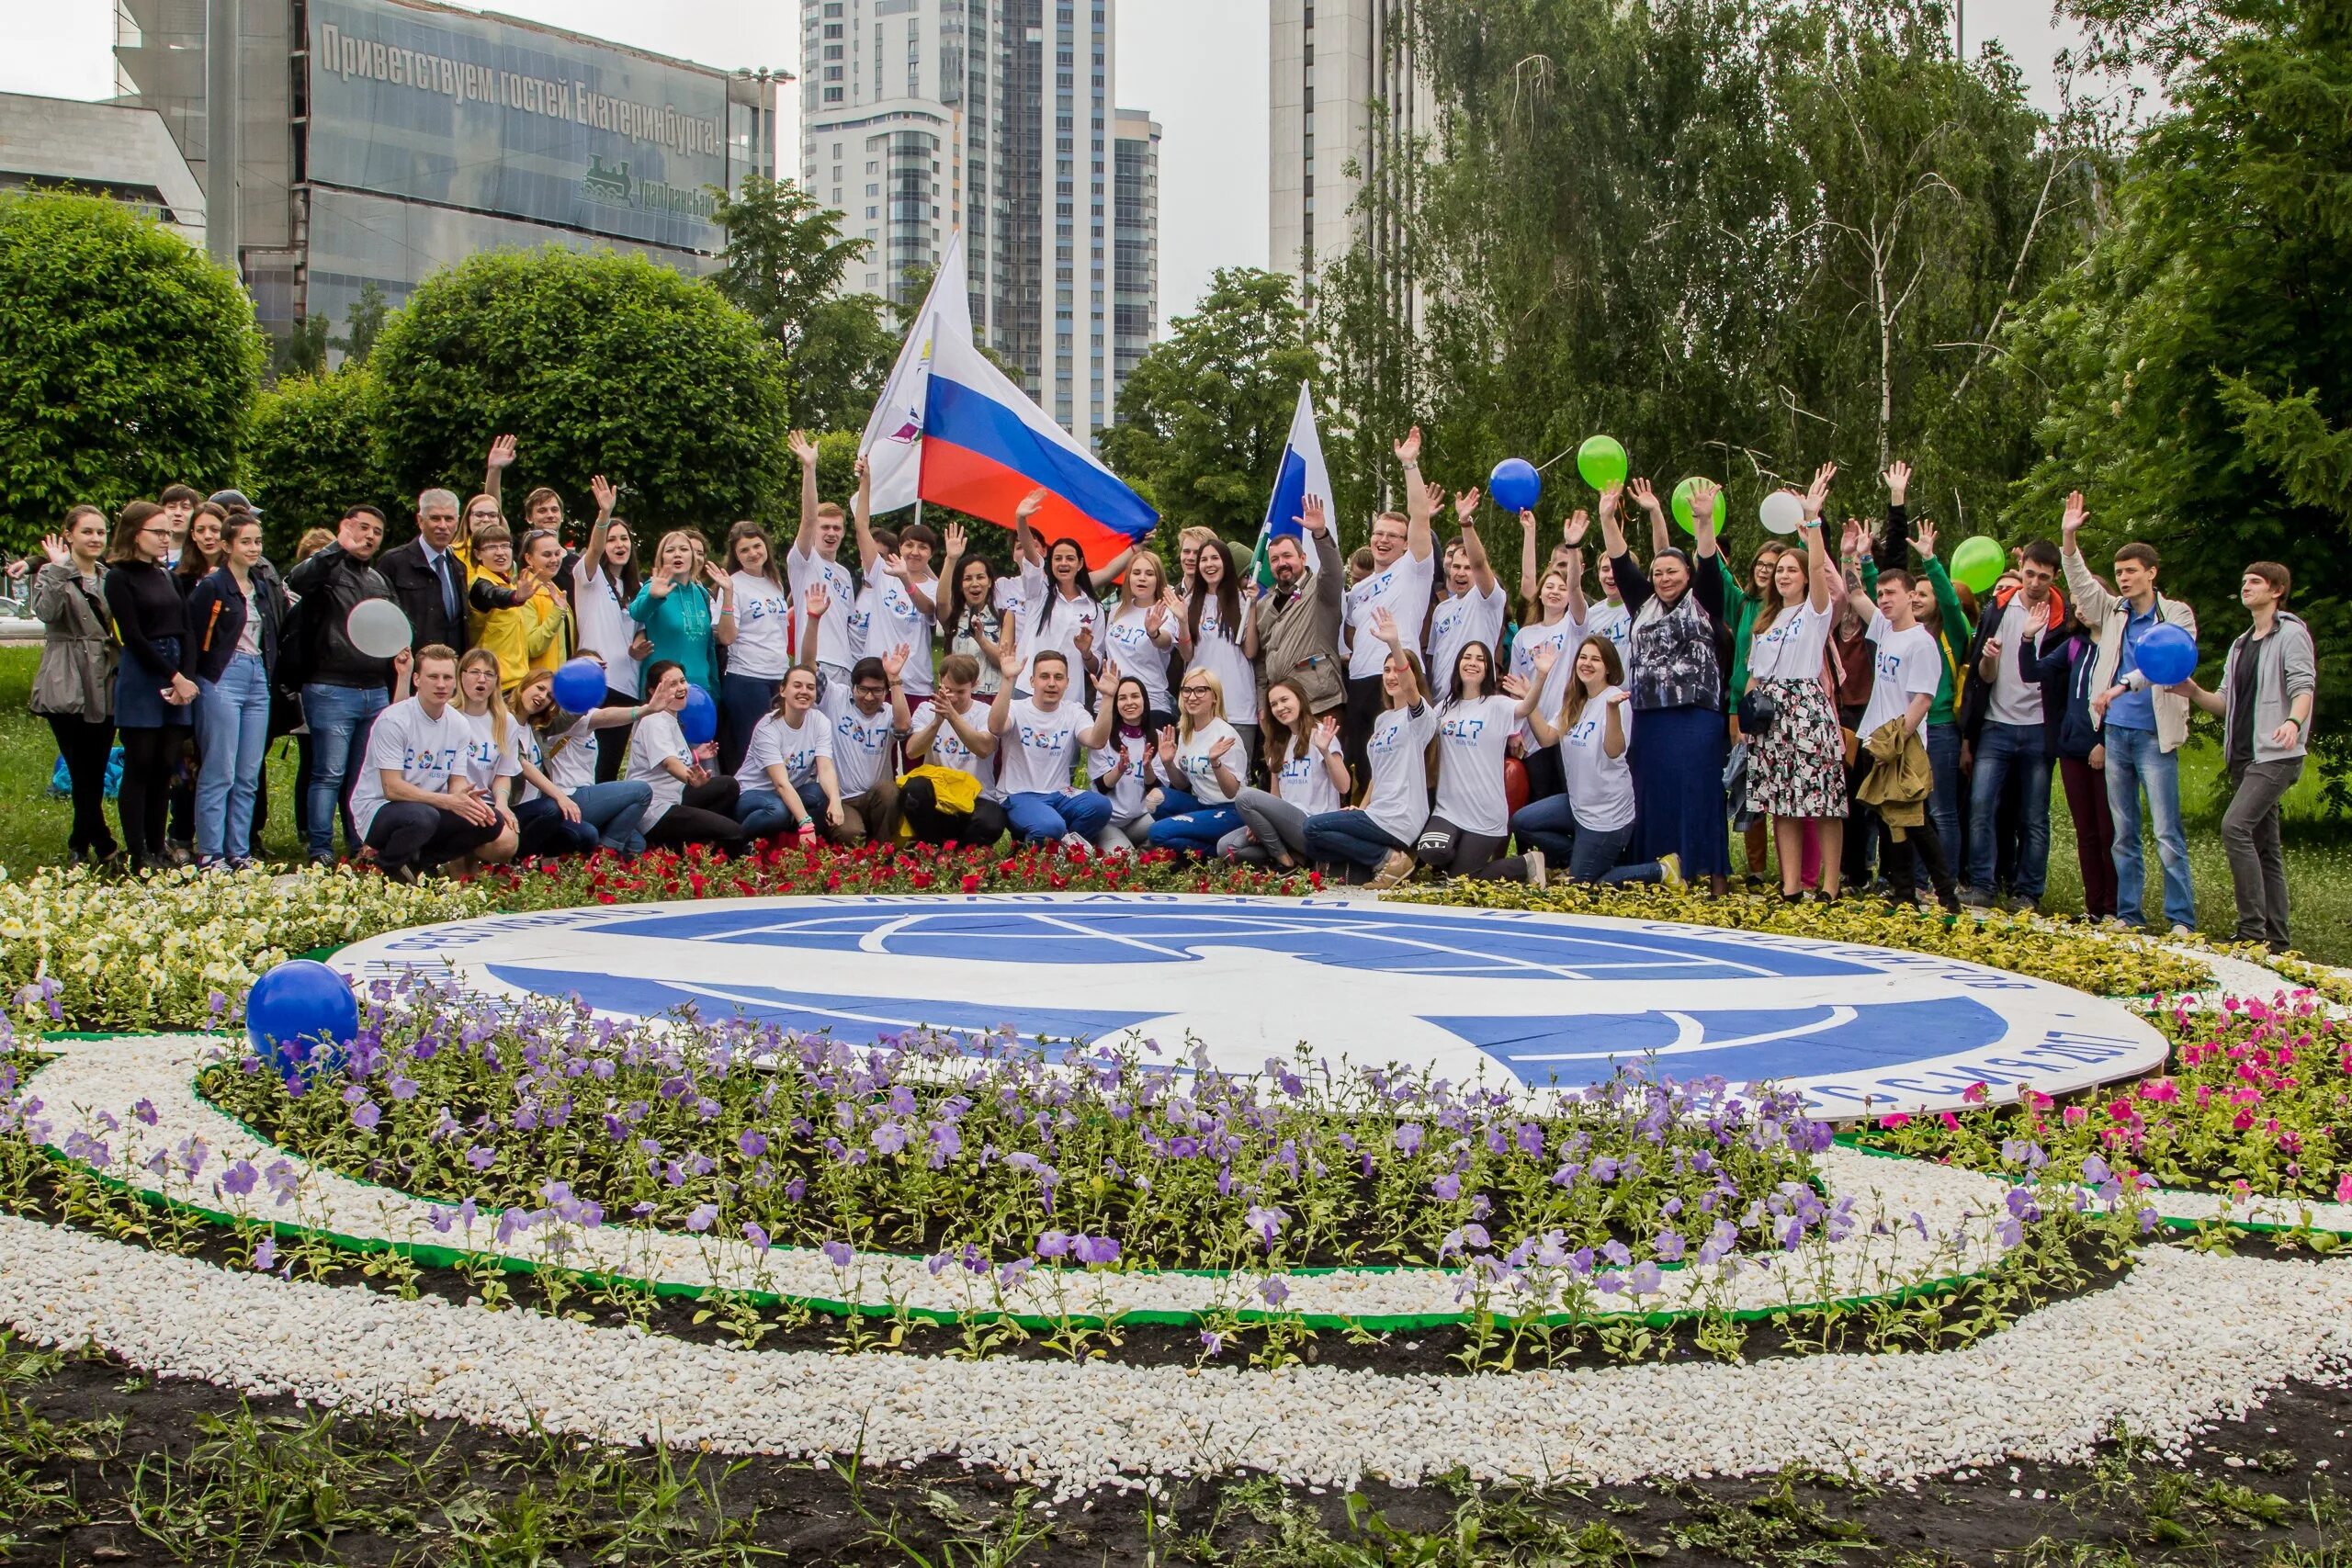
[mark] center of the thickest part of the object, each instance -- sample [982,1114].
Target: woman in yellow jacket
[520,616]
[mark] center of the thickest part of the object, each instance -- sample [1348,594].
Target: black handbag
[1758,713]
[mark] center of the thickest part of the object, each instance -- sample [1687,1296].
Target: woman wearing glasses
[1208,764]
[153,692]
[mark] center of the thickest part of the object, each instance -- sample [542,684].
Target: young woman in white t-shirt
[1548,625]
[758,640]
[1310,773]
[973,605]
[1146,629]
[1378,835]
[1583,833]
[1126,768]
[1204,757]
[487,765]
[1221,637]
[691,804]
[1796,770]
[563,746]
[1058,612]
[1470,824]
[605,583]
[785,782]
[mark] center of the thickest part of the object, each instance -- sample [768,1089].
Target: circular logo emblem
[1555,1001]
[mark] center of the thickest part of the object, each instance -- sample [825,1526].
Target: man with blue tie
[427,579]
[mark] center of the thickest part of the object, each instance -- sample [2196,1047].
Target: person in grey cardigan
[73,688]
[2270,683]
[1298,618]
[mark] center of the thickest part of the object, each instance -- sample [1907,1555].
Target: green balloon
[1682,503]
[1601,461]
[1978,562]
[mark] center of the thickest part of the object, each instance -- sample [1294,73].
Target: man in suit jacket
[428,581]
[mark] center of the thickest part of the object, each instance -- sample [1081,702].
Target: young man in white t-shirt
[1471,610]
[901,599]
[1404,564]
[412,804]
[813,560]
[1909,669]
[1038,737]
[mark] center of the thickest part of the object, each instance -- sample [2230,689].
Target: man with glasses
[2000,722]
[342,689]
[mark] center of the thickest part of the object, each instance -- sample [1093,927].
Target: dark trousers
[86,744]
[185,764]
[1365,699]
[1899,859]
[2094,833]
[701,817]
[612,745]
[408,836]
[743,699]
[919,806]
[144,801]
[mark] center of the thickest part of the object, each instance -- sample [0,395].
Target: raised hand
[953,538]
[1546,658]
[608,495]
[501,452]
[895,660]
[1513,687]
[1703,496]
[1157,617]
[1850,544]
[2073,521]
[1383,626]
[803,449]
[1898,481]
[1008,652]
[717,578]
[1084,642]
[1327,730]
[1310,516]
[1527,522]
[1610,499]
[54,546]
[859,470]
[1465,505]
[1619,697]
[1225,744]
[896,568]
[815,601]
[1817,492]
[1032,503]
[1923,537]
[1166,749]
[1579,522]
[1408,451]
[1643,496]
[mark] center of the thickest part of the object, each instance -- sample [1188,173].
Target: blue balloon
[2167,655]
[698,720]
[1515,485]
[298,1003]
[579,686]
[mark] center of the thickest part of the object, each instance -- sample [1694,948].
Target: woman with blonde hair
[1309,774]
[686,606]
[557,751]
[1204,757]
[490,764]
[1146,629]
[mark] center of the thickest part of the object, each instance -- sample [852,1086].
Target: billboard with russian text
[473,112]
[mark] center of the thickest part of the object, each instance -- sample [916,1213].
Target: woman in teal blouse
[685,608]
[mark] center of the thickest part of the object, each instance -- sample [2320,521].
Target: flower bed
[2258,1100]
[2088,961]
[980,1149]
[178,949]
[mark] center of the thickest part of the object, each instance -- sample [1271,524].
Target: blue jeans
[542,830]
[742,700]
[1587,854]
[764,814]
[335,714]
[1349,837]
[1943,801]
[1188,827]
[2134,761]
[612,813]
[2010,756]
[234,717]
[1051,816]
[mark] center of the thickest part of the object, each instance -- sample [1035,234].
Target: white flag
[1301,475]
[892,445]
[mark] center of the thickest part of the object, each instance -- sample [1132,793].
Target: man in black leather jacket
[342,689]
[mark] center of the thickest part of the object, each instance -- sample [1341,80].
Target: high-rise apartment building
[1135,230]
[919,116]
[1348,105]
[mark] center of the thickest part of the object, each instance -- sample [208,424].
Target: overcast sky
[1198,65]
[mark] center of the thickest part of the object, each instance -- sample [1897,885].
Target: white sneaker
[2182,930]
[1538,874]
[1075,843]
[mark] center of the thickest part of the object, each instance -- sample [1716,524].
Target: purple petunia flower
[702,1216]
[1447,1187]
[836,1253]
[1094,1249]
[1053,1244]
[264,1254]
[239,1178]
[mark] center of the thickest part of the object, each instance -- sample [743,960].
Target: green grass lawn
[2319,852]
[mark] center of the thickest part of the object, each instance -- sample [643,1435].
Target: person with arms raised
[1909,669]
[1796,771]
[1203,758]
[947,795]
[1038,737]
[1298,619]
[1404,565]
[814,562]
[1058,612]
[1378,835]
[902,594]
[412,804]
[2142,728]
[685,609]
[690,806]
[605,582]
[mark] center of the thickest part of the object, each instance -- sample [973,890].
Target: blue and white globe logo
[1548,1000]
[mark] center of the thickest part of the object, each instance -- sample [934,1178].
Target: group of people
[1390,715]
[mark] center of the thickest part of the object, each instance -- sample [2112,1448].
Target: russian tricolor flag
[1302,475]
[985,445]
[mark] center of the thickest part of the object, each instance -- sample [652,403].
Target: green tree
[2200,359]
[128,361]
[597,363]
[1743,236]
[784,262]
[311,453]
[1204,413]
[363,324]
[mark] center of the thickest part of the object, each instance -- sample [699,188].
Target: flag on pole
[1302,475]
[985,445]
[892,444]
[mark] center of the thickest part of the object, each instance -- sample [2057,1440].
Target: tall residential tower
[1348,105]
[922,116]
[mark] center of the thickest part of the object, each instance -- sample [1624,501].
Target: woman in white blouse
[1309,774]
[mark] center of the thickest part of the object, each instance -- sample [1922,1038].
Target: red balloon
[1514,784]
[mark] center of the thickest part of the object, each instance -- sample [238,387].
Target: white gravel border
[1916,1223]
[2188,1338]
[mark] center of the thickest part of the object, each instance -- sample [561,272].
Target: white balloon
[376,627]
[1782,512]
